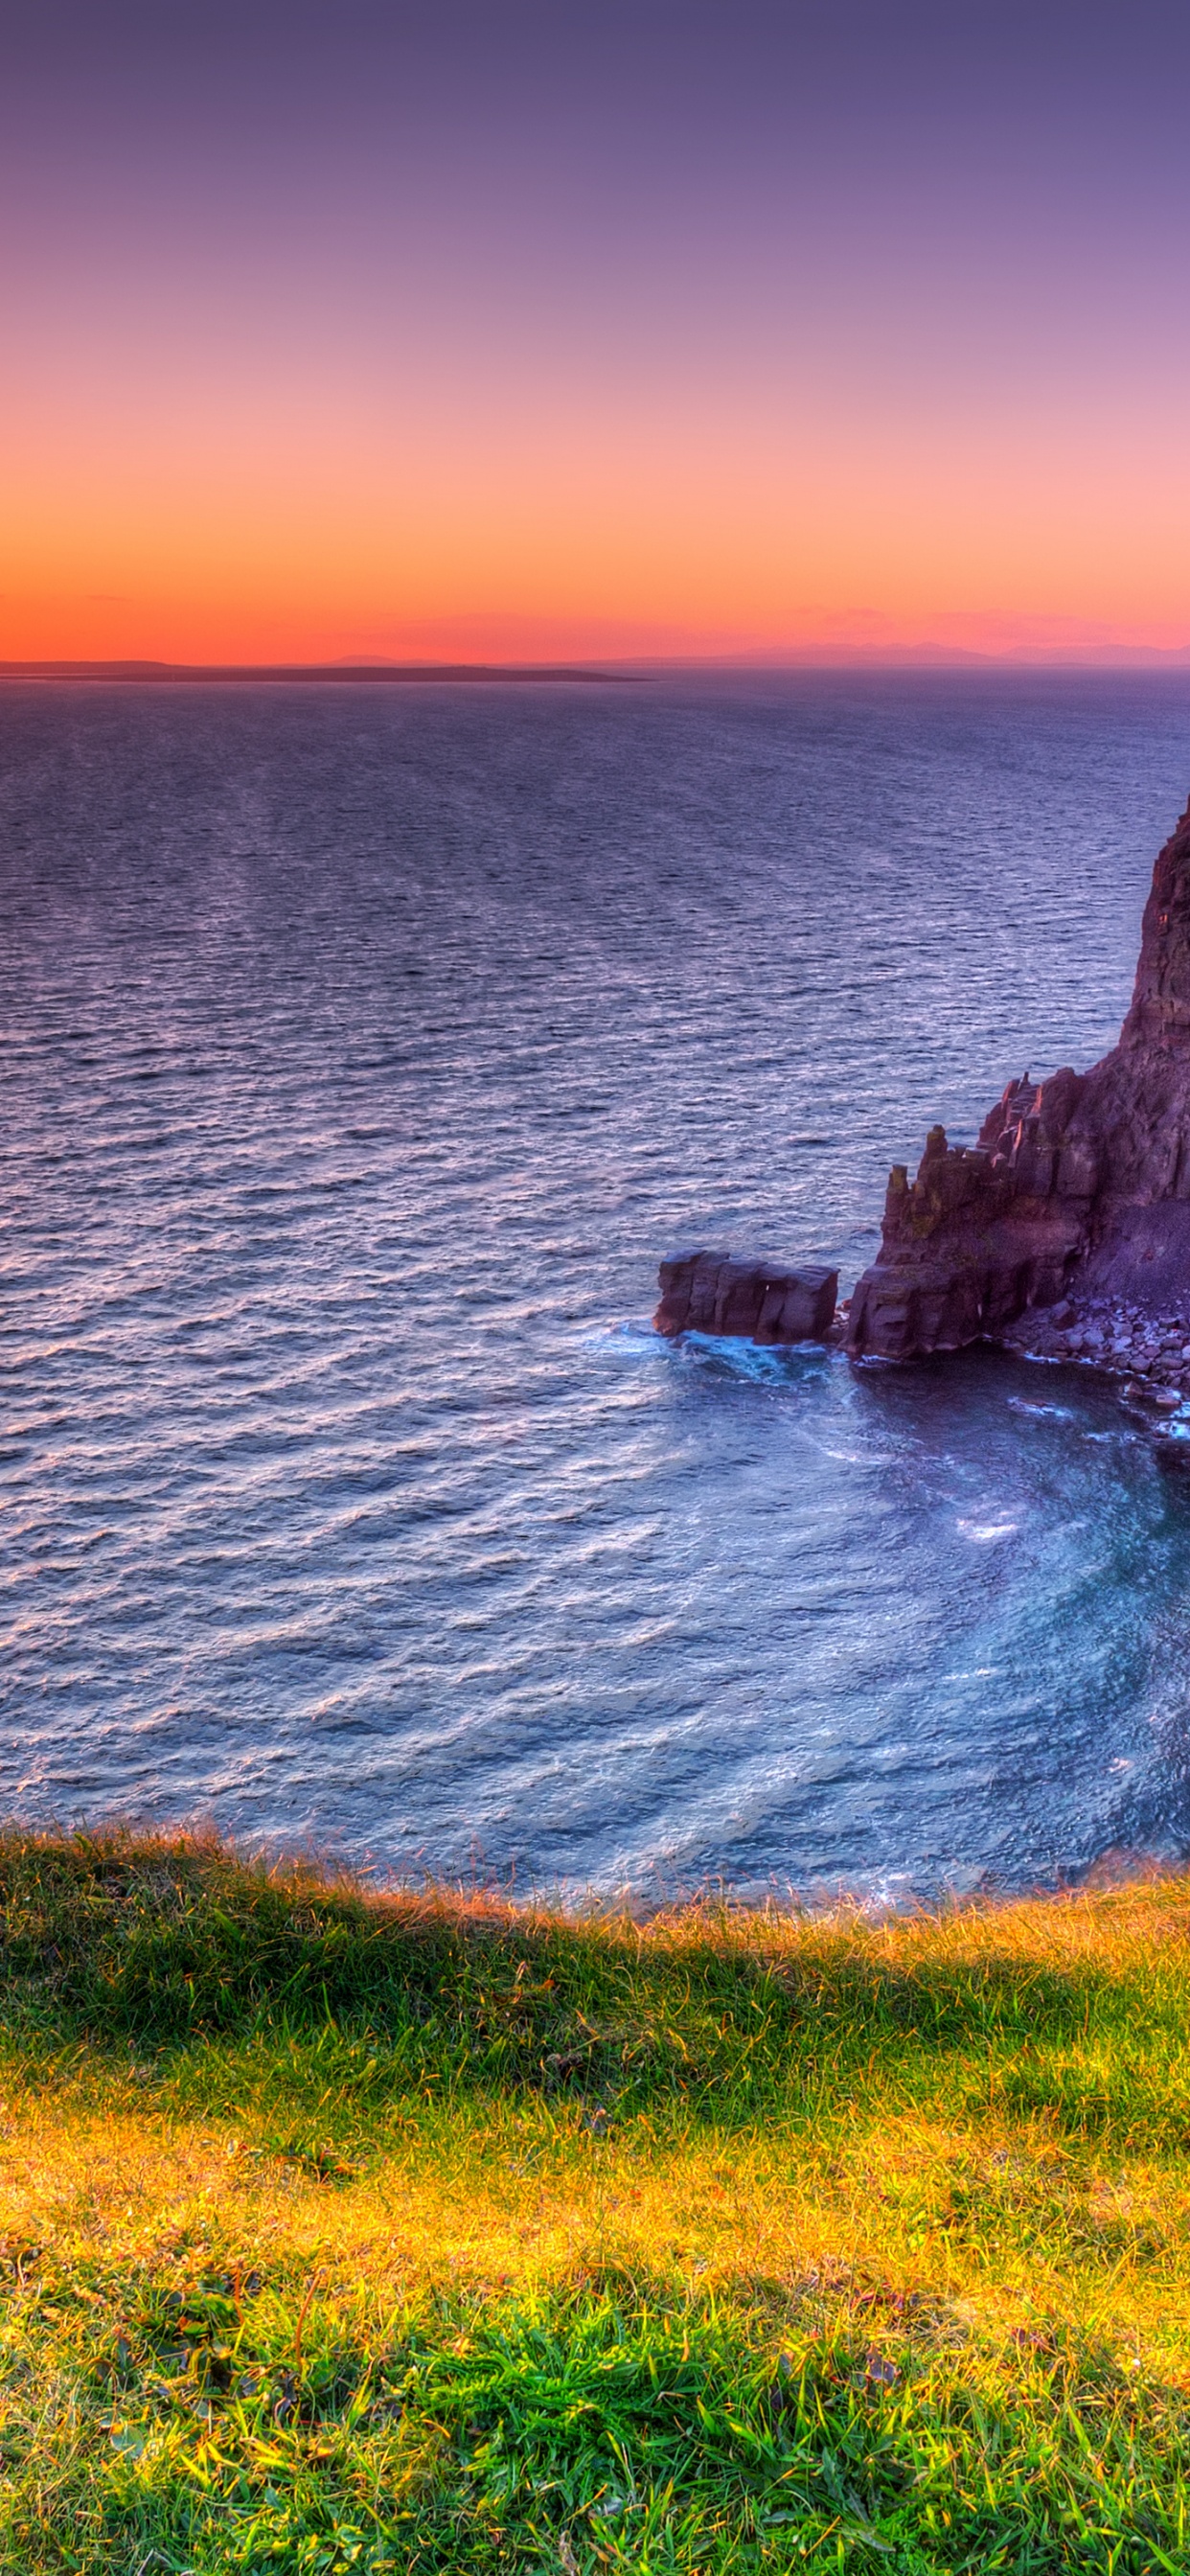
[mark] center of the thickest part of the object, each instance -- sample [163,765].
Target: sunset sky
[678,327]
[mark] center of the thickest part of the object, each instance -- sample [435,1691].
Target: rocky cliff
[1079,1184]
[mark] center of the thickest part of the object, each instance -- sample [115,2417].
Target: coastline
[1146,1357]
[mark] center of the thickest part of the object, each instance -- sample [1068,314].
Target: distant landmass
[391,673]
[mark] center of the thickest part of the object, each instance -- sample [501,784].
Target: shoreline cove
[362,1041]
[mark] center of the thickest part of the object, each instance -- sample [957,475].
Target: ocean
[364,1050]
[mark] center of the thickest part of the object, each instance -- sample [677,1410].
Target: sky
[493,329]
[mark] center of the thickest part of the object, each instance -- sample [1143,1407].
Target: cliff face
[1079,1182]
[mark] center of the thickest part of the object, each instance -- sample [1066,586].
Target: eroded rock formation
[709,1292]
[1079,1184]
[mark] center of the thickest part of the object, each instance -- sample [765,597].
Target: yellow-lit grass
[997,2223]
[1002,2212]
[959,2141]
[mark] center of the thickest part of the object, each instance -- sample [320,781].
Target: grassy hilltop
[354,2233]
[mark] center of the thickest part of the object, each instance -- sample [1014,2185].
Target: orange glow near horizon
[500,536]
[245,522]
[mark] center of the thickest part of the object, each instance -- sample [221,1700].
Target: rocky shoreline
[1148,1356]
[1062,1234]
[1153,1351]
[1077,1188]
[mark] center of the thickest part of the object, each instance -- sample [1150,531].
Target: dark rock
[762,1301]
[1080,1183]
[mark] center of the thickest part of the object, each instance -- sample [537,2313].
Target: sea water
[364,1048]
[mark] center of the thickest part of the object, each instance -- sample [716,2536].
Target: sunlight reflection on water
[363,1054]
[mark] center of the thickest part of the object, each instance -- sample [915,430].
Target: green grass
[345,2232]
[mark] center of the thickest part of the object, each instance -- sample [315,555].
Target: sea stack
[1078,1185]
[761,1301]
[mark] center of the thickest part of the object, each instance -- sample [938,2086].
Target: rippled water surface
[363,1051]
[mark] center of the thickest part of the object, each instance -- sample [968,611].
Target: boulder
[761,1301]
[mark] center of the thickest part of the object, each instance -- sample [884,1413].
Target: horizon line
[159,671]
[622,668]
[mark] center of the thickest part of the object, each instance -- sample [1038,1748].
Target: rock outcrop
[709,1292]
[1080,1184]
